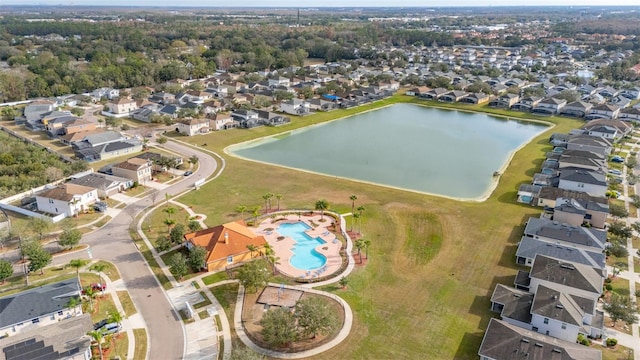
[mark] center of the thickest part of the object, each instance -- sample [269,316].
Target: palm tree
[169,222]
[269,196]
[355,217]
[353,199]
[99,268]
[359,246]
[77,264]
[278,197]
[72,303]
[251,249]
[265,197]
[97,335]
[256,212]
[367,243]
[322,205]
[242,209]
[90,292]
[360,209]
[115,317]
[170,211]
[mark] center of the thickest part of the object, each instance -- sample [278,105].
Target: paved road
[113,243]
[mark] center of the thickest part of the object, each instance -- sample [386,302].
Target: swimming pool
[305,256]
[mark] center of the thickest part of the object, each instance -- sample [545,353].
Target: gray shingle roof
[530,247]
[583,176]
[516,303]
[553,230]
[555,304]
[579,276]
[505,341]
[37,302]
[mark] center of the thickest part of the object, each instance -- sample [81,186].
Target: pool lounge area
[305,251]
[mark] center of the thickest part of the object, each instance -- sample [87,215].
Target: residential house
[190,127]
[108,150]
[578,212]
[34,308]
[136,169]
[591,182]
[630,114]
[295,107]
[418,91]
[505,101]
[106,185]
[547,197]
[452,96]
[35,110]
[527,103]
[67,199]
[598,145]
[160,163]
[434,94]
[549,106]
[246,118]
[66,339]
[576,236]
[576,109]
[632,93]
[604,131]
[272,119]
[577,279]
[219,121]
[503,341]
[529,248]
[582,160]
[603,111]
[107,93]
[213,106]
[226,244]
[279,81]
[322,105]
[122,106]
[513,305]
[475,98]
[623,128]
[163,98]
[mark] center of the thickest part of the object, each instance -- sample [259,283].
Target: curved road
[113,243]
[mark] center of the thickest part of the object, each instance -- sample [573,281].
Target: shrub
[583,340]
[607,280]
[608,287]
[611,342]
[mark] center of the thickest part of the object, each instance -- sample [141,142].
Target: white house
[295,107]
[591,182]
[190,127]
[122,106]
[68,199]
[220,121]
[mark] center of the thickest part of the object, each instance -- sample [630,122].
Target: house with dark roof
[578,212]
[556,232]
[581,160]
[630,114]
[577,279]
[453,96]
[505,101]
[529,248]
[513,305]
[603,111]
[576,109]
[109,150]
[598,145]
[549,106]
[547,197]
[527,103]
[66,339]
[434,94]
[591,182]
[503,341]
[39,306]
[226,244]
[475,98]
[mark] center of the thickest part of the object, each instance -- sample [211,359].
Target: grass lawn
[434,262]
[620,286]
[110,270]
[102,221]
[226,295]
[127,303]
[636,265]
[146,253]
[205,302]
[154,225]
[102,306]
[620,263]
[618,352]
[121,346]
[214,278]
[140,336]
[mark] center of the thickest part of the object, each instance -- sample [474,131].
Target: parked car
[617,159]
[111,328]
[615,172]
[187,173]
[100,206]
[96,287]
[100,324]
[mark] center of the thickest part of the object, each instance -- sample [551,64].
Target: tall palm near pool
[322,205]
[278,197]
[252,249]
[265,197]
[353,199]
[242,209]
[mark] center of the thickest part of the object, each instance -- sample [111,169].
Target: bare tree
[131,211]
[154,196]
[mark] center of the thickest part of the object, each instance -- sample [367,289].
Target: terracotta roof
[225,240]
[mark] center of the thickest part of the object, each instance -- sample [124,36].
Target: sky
[327,3]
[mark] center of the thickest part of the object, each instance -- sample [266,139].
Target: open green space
[127,303]
[427,286]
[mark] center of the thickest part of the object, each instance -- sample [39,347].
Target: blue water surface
[305,256]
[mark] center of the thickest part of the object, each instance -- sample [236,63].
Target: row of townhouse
[548,307]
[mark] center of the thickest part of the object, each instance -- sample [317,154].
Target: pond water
[442,152]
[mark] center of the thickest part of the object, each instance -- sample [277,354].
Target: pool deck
[282,248]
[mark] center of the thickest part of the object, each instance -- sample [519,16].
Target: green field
[434,262]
